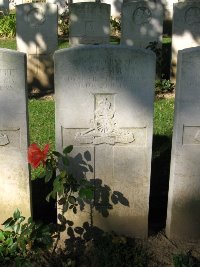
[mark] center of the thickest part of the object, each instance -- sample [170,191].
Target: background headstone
[14,172]
[37,28]
[106,112]
[185,29]
[62,7]
[142,23]
[183,216]
[4,6]
[89,23]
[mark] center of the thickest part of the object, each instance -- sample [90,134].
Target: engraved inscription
[142,15]
[89,27]
[10,138]
[191,135]
[6,79]
[104,129]
[36,17]
[192,16]
[4,140]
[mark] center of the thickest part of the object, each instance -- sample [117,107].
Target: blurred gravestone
[89,23]
[37,36]
[4,6]
[14,172]
[185,29]
[183,217]
[62,7]
[106,112]
[142,23]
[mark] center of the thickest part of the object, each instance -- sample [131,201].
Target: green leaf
[68,149]
[72,200]
[7,222]
[9,241]
[86,193]
[57,154]
[16,214]
[16,228]
[2,237]
[65,160]
[48,176]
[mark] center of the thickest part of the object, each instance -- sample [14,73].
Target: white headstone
[14,172]
[183,216]
[185,29]
[62,7]
[142,23]
[4,6]
[89,23]
[106,111]
[37,28]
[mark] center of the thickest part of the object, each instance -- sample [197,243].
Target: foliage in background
[63,24]
[115,27]
[8,26]
[164,86]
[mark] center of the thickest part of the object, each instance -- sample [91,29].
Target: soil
[161,250]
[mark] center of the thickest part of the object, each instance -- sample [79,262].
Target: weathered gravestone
[185,29]
[14,172]
[62,7]
[89,23]
[4,6]
[183,216]
[104,107]
[37,36]
[142,23]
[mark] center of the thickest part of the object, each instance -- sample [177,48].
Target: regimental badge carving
[142,15]
[104,128]
[192,16]
[4,140]
[36,17]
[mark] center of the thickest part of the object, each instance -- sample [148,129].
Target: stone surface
[185,29]
[183,216]
[14,172]
[89,23]
[106,112]
[142,22]
[37,36]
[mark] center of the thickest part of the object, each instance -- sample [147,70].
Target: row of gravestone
[104,108]
[90,24]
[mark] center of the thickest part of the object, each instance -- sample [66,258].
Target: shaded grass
[163,117]
[8,43]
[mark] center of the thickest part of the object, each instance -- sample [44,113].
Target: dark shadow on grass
[42,210]
[159,183]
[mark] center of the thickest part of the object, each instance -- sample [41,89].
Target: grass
[163,117]
[11,43]
[41,125]
[8,43]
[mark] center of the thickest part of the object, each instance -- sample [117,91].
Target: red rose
[36,155]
